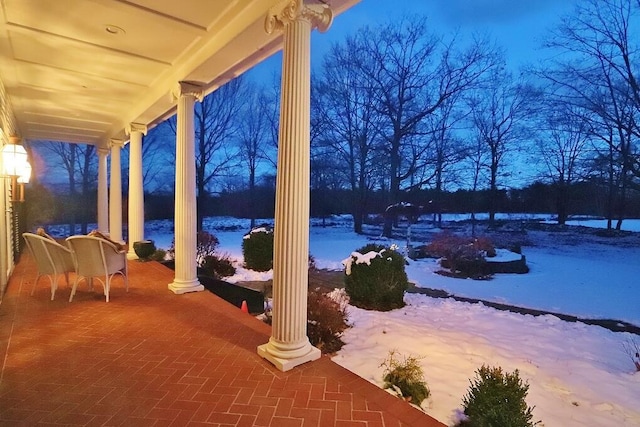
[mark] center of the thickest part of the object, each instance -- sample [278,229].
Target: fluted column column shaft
[103,198]
[136,190]
[186,279]
[289,345]
[115,192]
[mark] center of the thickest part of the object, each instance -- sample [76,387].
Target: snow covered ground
[579,375]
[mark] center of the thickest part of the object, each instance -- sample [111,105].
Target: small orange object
[244,307]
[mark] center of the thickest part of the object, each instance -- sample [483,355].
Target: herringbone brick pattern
[152,358]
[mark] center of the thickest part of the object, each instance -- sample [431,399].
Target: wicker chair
[52,259]
[100,259]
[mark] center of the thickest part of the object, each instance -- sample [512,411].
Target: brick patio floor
[149,357]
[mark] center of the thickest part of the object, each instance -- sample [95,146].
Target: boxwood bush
[496,398]
[375,278]
[257,249]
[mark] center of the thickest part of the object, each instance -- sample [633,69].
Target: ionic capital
[113,142]
[136,127]
[103,151]
[320,16]
[187,89]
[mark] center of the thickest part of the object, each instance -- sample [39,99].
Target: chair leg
[34,285]
[107,285]
[73,289]
[54,286]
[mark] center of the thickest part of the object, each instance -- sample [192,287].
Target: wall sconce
[24,178]
[15,166]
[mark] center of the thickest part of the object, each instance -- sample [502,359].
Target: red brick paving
[152,358]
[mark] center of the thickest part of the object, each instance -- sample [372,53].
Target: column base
[131,255]
[287,364]
[180,287]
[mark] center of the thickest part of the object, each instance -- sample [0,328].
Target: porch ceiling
[82,70]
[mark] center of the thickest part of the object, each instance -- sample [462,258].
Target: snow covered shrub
[485,246]
[257,249]
[326,320]
[218,266]
[496,398]
[375,278]
[406,378]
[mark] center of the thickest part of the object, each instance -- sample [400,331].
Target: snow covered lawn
[579,375]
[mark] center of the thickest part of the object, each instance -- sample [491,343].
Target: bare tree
[498,111]
[344,108]
[78,162]
[476,160]
[413,72]
[563,145]
[253,138]
[598,70]
[446,149]
[158,159]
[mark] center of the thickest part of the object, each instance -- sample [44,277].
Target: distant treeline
[586,198]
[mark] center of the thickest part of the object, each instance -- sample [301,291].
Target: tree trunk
[252,190]
[561,203]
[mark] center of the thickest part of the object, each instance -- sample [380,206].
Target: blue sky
[516,25]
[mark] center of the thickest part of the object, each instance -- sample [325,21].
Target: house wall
[8,127]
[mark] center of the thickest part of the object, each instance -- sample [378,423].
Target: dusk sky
[517,26]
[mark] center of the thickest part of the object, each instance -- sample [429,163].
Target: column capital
[113,142]
[103,151]
[185,88]
[319,15]
[136,127]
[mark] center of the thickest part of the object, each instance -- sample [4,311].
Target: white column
[115,192]
[289,345]
[103,198]
[136,191]
[186,278]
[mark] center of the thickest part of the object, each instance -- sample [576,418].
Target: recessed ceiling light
[113,29]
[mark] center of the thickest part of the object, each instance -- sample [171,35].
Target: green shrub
[496,398]
[206,244]
[257,249]
[326,320]
[159,255]
[406,376]
[218,266]
[466,261]
[379,284]
[464,257]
